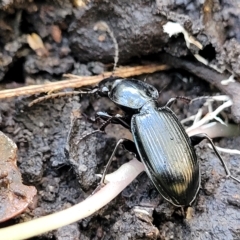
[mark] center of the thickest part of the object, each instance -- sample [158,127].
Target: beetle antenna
[61,94]
[103,26]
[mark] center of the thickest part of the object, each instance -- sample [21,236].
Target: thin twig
[75,81]
[104,27]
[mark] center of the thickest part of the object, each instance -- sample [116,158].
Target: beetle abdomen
[166,151]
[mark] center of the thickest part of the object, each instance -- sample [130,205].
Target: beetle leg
[117,119]
[100,129]
[196,139]
[171,101]
[128,145]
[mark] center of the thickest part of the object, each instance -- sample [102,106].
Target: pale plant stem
[124,176]
[210,115]
[226,150]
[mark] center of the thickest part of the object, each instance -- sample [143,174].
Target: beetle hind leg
[196,139]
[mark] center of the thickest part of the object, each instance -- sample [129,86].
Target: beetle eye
[105,90]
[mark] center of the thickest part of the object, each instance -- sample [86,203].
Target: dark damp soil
[62,180]
[63,169]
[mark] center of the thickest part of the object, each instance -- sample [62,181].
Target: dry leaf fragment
[14,196]
[80,3]
[56,33]
[36,44]
[172,28]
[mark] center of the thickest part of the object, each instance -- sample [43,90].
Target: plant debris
[36,44]
[14,196]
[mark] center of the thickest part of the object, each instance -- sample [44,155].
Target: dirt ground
[64,172]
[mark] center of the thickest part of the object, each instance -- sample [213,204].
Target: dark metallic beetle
[160,140]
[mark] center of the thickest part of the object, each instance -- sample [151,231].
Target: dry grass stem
[75,81]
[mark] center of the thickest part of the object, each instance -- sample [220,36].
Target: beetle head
[106,85]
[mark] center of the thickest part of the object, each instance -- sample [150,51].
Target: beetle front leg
[196,139]
[117,119]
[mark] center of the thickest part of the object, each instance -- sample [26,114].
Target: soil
[52,155]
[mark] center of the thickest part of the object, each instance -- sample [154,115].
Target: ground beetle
[160,140]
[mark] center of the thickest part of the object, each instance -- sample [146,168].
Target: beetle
[160,141]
